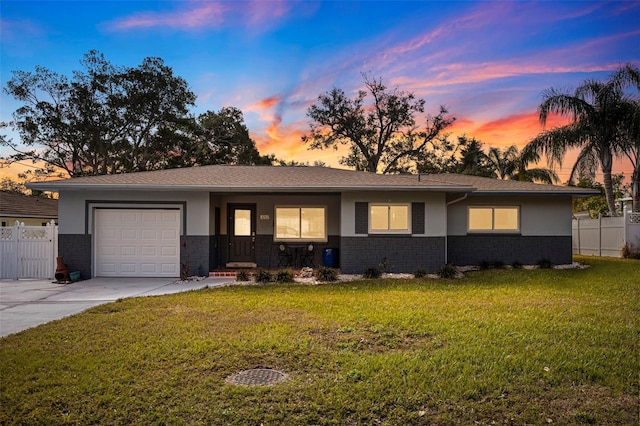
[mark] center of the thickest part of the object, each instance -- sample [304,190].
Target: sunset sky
[488,61]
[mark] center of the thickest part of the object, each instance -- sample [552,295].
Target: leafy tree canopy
[597,204]
[382,135]
[465,156]
[107,119]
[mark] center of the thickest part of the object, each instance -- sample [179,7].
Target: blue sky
[488,61]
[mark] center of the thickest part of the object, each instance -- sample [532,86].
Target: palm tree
[629,75]
[513,165]
[599,112]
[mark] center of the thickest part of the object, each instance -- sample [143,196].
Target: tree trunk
[606,162]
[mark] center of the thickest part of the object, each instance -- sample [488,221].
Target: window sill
[493,233]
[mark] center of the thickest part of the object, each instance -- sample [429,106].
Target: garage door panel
[148,268]
[169,234]
[128,251]
[149,251]
[128,268]
[137,242]
[169,268]
[167,251]
[149,234]
[148,217]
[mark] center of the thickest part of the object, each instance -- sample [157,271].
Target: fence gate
[28,251]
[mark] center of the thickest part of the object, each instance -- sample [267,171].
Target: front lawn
[497,347]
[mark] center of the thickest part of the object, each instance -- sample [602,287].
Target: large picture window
[494,219]
[389,218]
[301,223]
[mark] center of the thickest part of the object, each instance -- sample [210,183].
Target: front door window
[242,223]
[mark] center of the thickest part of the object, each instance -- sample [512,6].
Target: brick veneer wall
[403,253]
[196,253]
[474,249]
[76,251]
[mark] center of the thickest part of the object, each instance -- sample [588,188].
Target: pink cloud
[210,14]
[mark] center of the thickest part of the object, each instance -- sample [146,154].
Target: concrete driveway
[28,303]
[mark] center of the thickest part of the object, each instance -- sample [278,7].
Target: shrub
[447,271]
[385,266]
[284,276]
[242,276]
[629,251]
[498,264]
[263,276]
[485,264]
[326,274]
[371,273]
[516,265]
[545,264]
[420,273]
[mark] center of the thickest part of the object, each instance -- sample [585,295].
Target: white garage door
[137,243]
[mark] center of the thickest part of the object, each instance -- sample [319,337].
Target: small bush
[242,276]
[263,276]
[498,264]
[629,251]
[326,274]
[420,273]
[385,266]
[284,276]
[372,273]
[545,264]
[485,264]
[447,271]
[516,265]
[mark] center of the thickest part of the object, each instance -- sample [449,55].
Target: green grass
[503,346]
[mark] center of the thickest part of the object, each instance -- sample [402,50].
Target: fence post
[578,232]
[600,234]
[625,213]
[16,245]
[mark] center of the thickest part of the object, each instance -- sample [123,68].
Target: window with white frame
[494,219]
[300,223]
[389,218]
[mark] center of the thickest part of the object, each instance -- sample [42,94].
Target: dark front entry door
[242,233]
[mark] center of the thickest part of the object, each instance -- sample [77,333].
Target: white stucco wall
[539,215]
[435,209]
[73,213]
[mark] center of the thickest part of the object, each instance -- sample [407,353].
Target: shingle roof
[228,178]
[18,205]
[485,185]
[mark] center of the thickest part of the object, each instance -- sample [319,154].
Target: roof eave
[44,186]
[537,192]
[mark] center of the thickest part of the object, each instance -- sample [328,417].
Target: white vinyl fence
[606,236]
[28,251]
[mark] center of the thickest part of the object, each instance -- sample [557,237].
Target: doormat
[257,377]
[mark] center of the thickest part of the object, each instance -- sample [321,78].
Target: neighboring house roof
[19,205]
[228,178]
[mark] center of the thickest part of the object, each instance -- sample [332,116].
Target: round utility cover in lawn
[257,377]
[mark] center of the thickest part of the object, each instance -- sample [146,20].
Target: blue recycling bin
[330,257]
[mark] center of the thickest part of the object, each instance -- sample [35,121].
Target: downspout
[446,226]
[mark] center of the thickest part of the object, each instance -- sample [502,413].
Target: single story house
[154,223]
[32,211]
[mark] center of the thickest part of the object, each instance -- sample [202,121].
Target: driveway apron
[29,303]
